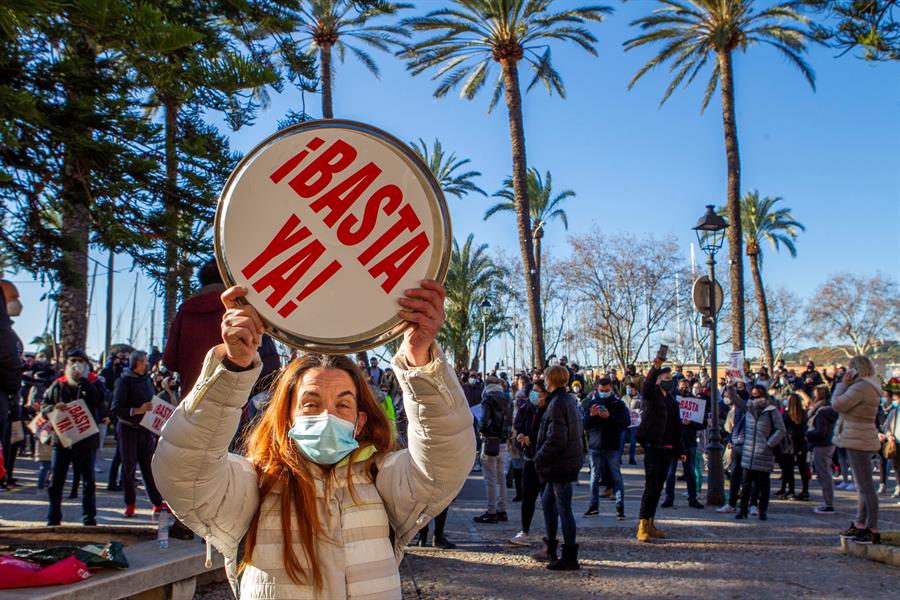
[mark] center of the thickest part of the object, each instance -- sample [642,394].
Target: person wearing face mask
[11,367]
[689,430]
[605,418]
[321,505]
[131,400]
[819,437]
[763,430]
[527,425]
[795,426]
[77,383]
[495,429]
[632,400]
[660,436]
[890,430]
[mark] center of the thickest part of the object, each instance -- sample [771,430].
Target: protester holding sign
[131,400]
[77,383]
[286,517]
[693,420]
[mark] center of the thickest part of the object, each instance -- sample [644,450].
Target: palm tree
[693,32]
[327,24]
[444,168]
[472,276]
[468,39]
[761,220]
[543,204]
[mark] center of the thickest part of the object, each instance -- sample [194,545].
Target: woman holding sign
[322,506]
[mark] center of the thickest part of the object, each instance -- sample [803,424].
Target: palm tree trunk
[763,312]
[735,235]
[537,254]
[76,221]
[172,233]
[523,209]
[325,67]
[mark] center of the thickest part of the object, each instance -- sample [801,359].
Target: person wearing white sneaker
[520,539]
[725,509]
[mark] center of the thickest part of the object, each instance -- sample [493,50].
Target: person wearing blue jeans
[605,420]
[689,431]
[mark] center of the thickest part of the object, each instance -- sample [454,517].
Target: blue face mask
[324,439]
[534,398]
[895,403]
[604,394]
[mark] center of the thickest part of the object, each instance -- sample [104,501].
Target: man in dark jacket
[660,435]
[10,367]
[131,400]
[689,431]
[557,462]
[77,383]
[605,418]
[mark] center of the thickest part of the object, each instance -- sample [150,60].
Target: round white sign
[327,223]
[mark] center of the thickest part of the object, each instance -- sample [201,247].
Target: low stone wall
[883,553]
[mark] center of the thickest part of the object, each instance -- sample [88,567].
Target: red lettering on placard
[286,275]
[284,239]
[350,237]
[65,425]
[399,262]
[316,177]
[291,164]
[158,422]
[354,187]
[317,282]
[407,221]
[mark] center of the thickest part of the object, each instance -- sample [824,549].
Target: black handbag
[491,446]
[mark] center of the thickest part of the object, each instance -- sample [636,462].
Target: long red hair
[280,465]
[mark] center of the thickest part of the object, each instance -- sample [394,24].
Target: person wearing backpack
[496,428]
[795,426]
[763,432]
[819,434]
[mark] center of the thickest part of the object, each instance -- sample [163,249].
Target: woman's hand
[242,328]
[424,308]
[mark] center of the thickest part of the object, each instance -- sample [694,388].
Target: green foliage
[472,276]
[474,34]
[761,220]
[545,206]
[867,25]
[693,32]
[445,168]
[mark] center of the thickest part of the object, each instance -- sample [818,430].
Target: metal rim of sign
[437,267]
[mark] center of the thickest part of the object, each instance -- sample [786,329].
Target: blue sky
[832,154]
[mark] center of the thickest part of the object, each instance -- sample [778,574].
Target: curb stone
[889,555]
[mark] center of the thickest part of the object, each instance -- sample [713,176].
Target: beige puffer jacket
[216,493]
[857,407]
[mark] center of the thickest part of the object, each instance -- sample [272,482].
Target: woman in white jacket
[322,505]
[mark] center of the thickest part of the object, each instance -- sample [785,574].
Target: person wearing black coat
[131,400]
[795,426]
[527,425]
[660,435]
[819,434]
[605,418]
[689,431]
[77,383]
[11,368]
[557,461]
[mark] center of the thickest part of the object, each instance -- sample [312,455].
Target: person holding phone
[605,418]
[660,436]
[856,399]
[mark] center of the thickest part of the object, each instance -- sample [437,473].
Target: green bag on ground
[95,556]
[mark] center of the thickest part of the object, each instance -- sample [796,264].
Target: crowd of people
[839,426]
[534,431]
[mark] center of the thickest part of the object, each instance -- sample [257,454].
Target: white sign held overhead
[327,223]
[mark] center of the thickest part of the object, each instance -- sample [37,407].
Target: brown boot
[643,532]
[654,532]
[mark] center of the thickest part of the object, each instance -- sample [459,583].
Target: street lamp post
[710,235]
[485,307]
[515,341]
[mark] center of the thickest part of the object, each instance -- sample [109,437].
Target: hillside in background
[889,352]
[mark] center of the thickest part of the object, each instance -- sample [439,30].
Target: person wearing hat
[496,429]
[78,382]
[660,435]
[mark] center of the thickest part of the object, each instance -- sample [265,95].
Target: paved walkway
[795,554]
[26,505]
